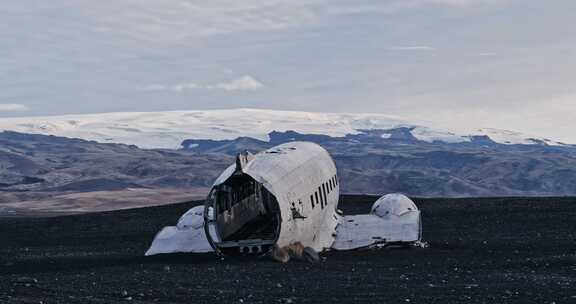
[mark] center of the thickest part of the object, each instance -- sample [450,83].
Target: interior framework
[246,216]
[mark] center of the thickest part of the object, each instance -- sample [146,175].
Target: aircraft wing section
[187,236]
[394,219]
[173,240]
[357,231]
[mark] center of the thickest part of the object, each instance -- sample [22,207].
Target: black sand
[481,251]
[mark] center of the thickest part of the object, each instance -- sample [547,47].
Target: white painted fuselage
[284,198]
[303,179]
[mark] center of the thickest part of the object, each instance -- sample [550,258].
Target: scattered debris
[295,251]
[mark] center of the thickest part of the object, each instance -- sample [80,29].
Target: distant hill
[368,162]
[50,163]
[38,166]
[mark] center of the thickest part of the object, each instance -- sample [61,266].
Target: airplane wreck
[284,202]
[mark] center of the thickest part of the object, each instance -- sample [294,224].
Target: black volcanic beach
[490,250]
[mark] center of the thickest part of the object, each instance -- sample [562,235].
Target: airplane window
[312,200]
[316,194]
[324,191]
[321,197]
[330,184]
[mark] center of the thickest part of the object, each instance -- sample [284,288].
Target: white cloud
[243,83]
[12,107]
[461,2]
[452,3]
[411,48]
[394,6]
[486,54]
[173,21]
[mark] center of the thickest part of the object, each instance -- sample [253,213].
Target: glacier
[168,129]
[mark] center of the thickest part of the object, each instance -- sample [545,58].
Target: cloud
[411,48]
[395,6]
[173,21]
[485,54]
[450,3]
[461,2]
[243,83]
[12,107]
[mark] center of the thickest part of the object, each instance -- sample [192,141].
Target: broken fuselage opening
[246,216]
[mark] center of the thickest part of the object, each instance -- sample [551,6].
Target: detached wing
[187,236]
[394,219]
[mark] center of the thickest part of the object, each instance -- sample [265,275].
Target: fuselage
[284,201]
[282,196]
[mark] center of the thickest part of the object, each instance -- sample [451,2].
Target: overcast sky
[459,63]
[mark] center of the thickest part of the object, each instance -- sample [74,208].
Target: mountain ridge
[368,164]
[168,129]
[36,166]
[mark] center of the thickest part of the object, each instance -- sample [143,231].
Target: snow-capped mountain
[381,157]
[170,128]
